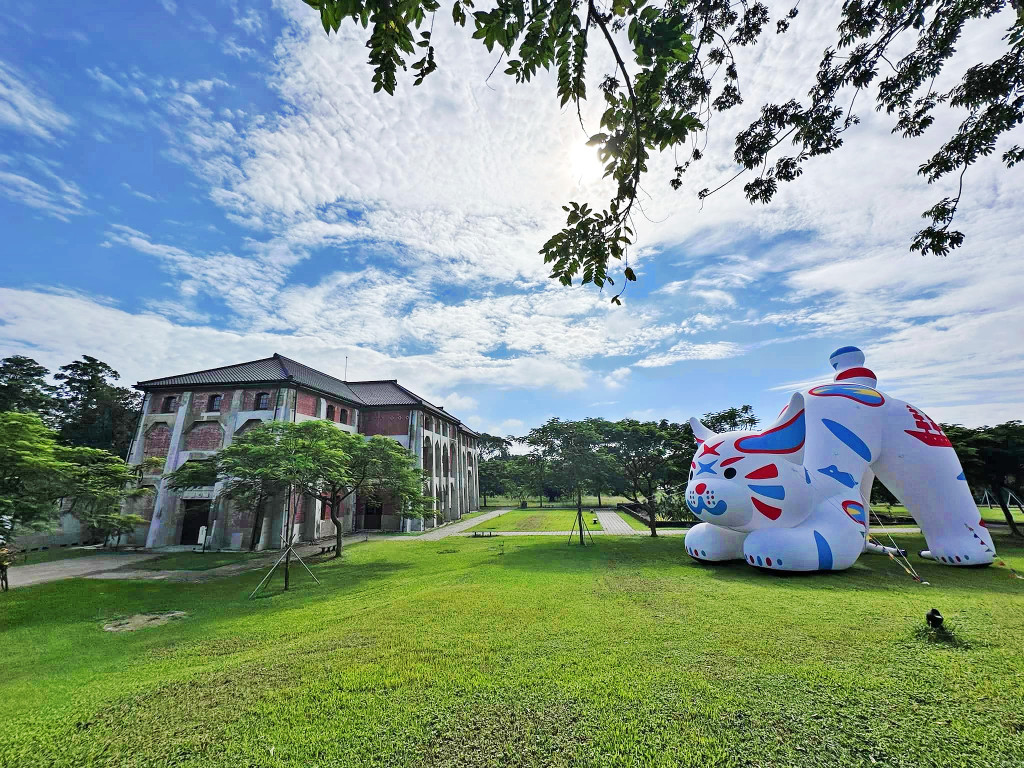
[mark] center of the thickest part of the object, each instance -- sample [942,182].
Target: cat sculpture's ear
[784,437]
[701,432]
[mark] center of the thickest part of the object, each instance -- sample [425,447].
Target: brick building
[192,415]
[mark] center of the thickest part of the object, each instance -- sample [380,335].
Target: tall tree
[93,411]
[730,419]
[673,65]
[493,447]
[993,458]
[247,472]
[654,459]
[570,446]
[311,459]
[37,473]
[493,474]
[23,387]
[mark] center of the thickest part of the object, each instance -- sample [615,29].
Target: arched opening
[330,413]
[213,403]
[343,416]
[263,401]
[169,403]
[428,458]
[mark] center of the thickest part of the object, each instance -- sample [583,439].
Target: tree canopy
[675,65]
[37,473]
[311,458]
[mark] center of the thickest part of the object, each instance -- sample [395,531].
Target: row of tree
[84,406]
[648,462]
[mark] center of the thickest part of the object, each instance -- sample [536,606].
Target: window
[213,403]
[330,413]
[263,401]
[343,416]
[169,402]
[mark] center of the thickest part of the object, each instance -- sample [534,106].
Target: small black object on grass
[934,618]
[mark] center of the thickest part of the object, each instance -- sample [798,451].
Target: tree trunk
[288,539]
[3,578]
[1006,511]
[339,524]
[579,515]
[599,497]
[651,518]
[257,527]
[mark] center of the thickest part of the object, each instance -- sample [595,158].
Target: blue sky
[186,185]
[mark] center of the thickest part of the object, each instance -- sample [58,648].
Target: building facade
[191,416]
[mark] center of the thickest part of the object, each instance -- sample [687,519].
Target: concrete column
[140,434]
[162,528]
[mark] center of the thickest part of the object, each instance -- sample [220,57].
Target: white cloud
[169,5]
[26,111]
[231,47]
[618,378]
[685,350]
[251,22]
[52,194]
[455,402]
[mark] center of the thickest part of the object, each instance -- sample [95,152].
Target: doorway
[197,514]
[372,517]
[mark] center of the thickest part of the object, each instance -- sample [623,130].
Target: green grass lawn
[495,502]
[633,523]
[528,653]
[994,515]
[195,561]
[537,520]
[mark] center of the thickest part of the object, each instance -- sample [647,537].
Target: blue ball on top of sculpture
[794,496]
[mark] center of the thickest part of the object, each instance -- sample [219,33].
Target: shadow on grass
[871,572]
[340,576]
[946,635]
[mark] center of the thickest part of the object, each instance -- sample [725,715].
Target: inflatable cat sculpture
[794,497]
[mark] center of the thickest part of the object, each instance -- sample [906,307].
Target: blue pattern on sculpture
[824,552]
[771,491]
[786,438]
[848,438]
[843,478]
[706,467]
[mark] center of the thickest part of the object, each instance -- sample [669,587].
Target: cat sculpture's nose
[700,488]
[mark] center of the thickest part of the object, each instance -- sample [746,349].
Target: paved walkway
[25,575]
[453,529]
[613,523]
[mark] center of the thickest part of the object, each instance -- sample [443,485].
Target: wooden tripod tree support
[289,550]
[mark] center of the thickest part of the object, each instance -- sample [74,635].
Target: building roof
[278,369]
[383,393]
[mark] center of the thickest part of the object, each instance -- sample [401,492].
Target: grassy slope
[626,653]
[537,520]
[633,523]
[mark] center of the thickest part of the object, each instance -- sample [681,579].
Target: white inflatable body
[794,497]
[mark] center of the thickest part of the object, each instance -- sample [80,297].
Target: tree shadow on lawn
[871,572]
[60,603]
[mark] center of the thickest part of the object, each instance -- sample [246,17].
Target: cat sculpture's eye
[730,473]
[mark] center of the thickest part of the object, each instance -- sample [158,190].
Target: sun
[584,165]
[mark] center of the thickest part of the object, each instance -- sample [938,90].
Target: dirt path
[26,575]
